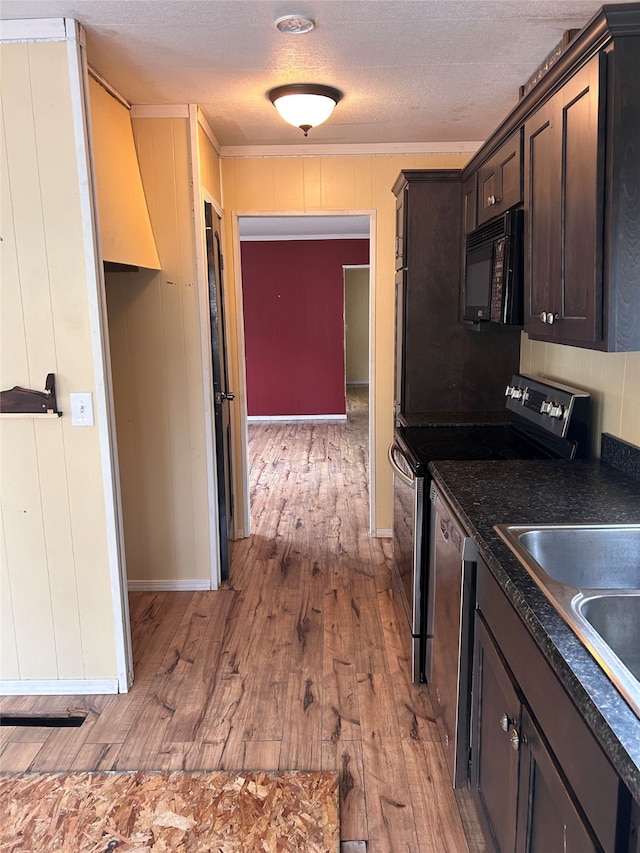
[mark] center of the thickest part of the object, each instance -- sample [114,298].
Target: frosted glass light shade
[305,105]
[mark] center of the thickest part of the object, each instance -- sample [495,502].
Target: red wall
[294,324]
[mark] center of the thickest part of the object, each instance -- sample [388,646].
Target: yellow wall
[612,379]
[57,609]
[356,318]
[154,329]
[337,184]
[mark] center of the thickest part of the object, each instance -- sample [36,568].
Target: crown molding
[102,81]
[289,238]
[208,132]
[328,150]
[159,111]
[36,29]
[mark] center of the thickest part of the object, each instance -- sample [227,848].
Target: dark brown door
[564,209]
[582,204]
[401,216]
[548,817]
[470,203]
[495,759]
[542,218]
[500,179]
[222,394]
[399,396]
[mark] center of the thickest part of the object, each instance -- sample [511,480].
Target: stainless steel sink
[616,618]
[591,575]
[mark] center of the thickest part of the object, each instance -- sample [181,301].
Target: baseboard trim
[384,533]
[291,418]
[61,687]
[168,586]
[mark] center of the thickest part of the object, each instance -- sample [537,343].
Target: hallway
[295,664]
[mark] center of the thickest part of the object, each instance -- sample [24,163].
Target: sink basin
[591,575]
[616,619]
[582,556]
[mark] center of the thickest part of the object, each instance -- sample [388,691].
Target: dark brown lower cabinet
[548,816]
[634,828]
[526,805]
[494,762]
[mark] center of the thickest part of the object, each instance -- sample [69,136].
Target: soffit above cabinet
[126,236]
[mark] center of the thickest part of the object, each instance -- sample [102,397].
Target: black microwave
[494,271]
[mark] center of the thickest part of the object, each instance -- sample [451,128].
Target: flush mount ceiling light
[305,105]
[295,24]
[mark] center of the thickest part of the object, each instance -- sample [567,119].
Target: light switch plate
[81,408]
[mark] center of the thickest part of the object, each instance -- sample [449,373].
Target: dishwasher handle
[410,481]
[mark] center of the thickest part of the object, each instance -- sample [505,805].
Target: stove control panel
[550,406]
[536,401]
[553,410]
[514,393]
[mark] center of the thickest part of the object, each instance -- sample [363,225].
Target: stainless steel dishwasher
[452,572]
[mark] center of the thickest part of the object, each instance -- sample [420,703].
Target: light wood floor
[295,664]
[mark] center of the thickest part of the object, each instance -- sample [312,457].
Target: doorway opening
[293,311]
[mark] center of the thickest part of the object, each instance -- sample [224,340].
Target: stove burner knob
[516,393]
[556,411]
[508,391]
[545,406]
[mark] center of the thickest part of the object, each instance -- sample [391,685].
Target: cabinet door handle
[514,739]
[549,317]
[505,722]
[492,199]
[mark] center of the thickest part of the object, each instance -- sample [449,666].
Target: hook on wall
[24,402]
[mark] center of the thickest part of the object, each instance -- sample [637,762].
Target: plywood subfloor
[170,812]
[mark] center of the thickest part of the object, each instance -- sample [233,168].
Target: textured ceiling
[412,71]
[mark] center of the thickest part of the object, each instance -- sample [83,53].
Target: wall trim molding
[380,148]
[36,29]
[268,418]
[200,195]
[98,325]
[159,111]
[206,127]
[288,238]
[169,585]
[58,687]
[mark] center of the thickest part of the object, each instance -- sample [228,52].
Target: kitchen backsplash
[612,379]
[621,455]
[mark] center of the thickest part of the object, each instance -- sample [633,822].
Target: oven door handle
[410,481]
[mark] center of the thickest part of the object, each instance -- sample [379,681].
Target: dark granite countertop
[438,419]
[552,491]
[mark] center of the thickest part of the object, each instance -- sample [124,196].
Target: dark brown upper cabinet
[402,212]
[580,127]
[564,168]
[500,179]
[470,203]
